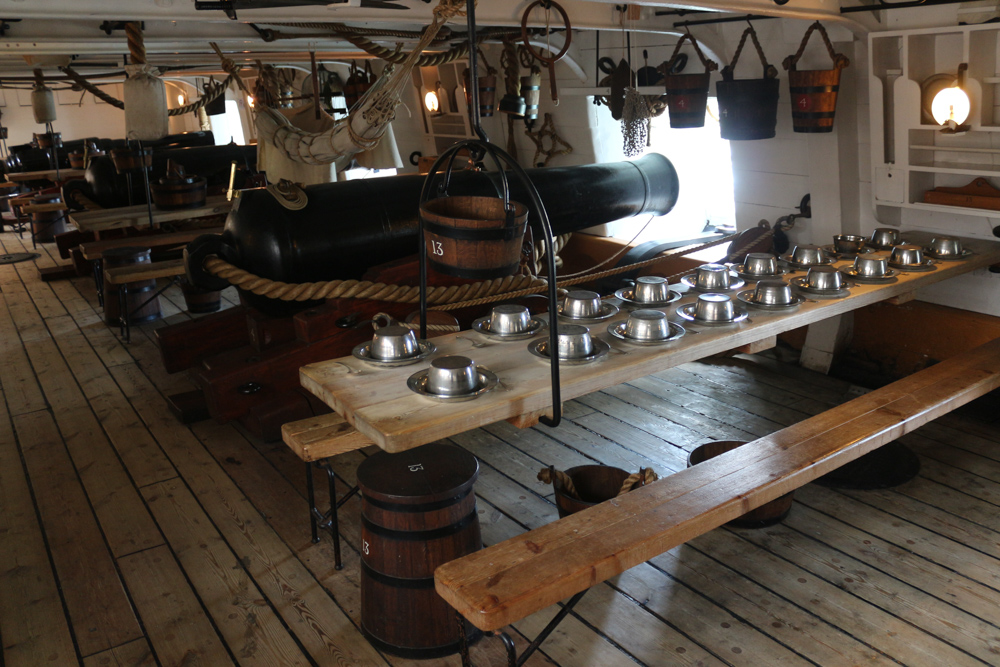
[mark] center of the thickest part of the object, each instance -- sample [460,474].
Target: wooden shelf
[970,168]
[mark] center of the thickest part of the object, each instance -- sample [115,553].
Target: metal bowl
[906,255]
[824,278]
[674,331]
[651,289]
[647,325]
[581,304]
[807,255]
[885,237]
[452,375]
[712,277]
[947,248]
[574,342]
[363,353]
[713,309]
[393,343]
[773,293]
[870,267]
[486,381]
[848,243]
[760,264]
[509,319]
[540,349]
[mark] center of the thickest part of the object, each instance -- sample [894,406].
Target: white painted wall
[80,114]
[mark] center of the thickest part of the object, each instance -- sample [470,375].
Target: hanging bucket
[748,108]
[531,91]
[358,83]
[814,92]
[474,237]
[487,88]
[588,485]
[687,94]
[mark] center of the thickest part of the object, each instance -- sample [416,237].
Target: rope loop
[840,61]
[770,71]
[710,65]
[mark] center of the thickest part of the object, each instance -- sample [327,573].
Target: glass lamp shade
[431,102]
[951,104]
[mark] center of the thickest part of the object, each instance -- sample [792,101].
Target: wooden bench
[506,582]
[122,276]
[314,440]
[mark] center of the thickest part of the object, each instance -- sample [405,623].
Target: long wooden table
[138,216]
[379,405]
[46,174]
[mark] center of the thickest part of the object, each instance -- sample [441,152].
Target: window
[228,126]
[705,171]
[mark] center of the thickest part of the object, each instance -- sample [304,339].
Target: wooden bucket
[474,237]
[687,94]
[76,160]
[49,140]
[748,108]
[418,511]
[138,291]
[594,484]
[358,82]
[131,159]
[178,190]
[767,514]
[531,91]
[814,92]
[45,225]
[199,300]
[487,88]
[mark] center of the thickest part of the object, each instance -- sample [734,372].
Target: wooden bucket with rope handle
[687,94]
[581,487]
[358,82]
[748,108]
[814,92]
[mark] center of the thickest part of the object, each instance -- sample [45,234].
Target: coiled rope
[550,475]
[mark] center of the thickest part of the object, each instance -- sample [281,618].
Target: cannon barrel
[25,157]
[347,227]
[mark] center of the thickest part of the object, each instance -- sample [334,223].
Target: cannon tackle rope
[443,298]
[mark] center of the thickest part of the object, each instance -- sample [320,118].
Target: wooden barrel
[814,99]
[45,225]
[687,99]
[473,237]
[418,511]
[594,484]
[138,291]
[767,514]
[748,108]
[531,91]
[200,300]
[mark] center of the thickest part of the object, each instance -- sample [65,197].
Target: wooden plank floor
[129,539]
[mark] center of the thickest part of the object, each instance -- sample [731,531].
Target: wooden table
[46,174]
[381,407]
[138,216]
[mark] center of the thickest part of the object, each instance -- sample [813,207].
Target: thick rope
[200,103]
[840,61]
[769,71]
[710,65]
[444,298]
[642,478]
[550,475]
[91,88]
[136,48]
[210,96]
